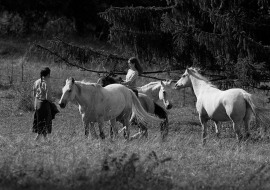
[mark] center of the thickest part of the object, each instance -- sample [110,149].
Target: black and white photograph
[134,95]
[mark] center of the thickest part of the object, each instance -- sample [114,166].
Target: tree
[213,34]
[83,12]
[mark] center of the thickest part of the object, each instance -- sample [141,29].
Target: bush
[24,91]
[61,26]
[11,24]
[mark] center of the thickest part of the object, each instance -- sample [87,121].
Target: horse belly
[219,114]
[115,107]
[235,107]
[216,111]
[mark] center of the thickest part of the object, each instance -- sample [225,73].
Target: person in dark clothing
[45,110]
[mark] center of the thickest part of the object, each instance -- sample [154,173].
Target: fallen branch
[96,71]
[66,61]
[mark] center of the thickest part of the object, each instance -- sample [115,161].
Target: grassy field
[68,160]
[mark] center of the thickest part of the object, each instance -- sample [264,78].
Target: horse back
[223,105]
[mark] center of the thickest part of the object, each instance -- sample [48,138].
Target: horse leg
[127,130]
[86,126]
[86,129]
[92,130]
[101,133]
[236,128]
[142,132]
[217,129]
[247,119]
[164,129]
[113,129]
[136,135]
[204,129]
[123,129]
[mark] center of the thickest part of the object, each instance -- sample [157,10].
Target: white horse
[147,103]
[234,105]
[98,104]
[159,90]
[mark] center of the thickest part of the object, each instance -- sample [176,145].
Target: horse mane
[150,84]
[195,73]
[86,83]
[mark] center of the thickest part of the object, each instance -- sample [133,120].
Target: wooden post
[11,77]
[22,71]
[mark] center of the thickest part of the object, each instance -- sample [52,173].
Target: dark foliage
[83,12]
[221,36]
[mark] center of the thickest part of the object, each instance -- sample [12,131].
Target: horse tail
[161,113]
[142,116]
[261,114]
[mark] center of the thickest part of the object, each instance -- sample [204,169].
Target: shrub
[25,99]
[61,26]
[11,24]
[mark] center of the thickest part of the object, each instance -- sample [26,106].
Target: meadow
[69,161]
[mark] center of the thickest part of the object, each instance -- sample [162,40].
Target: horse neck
[79,97]
[198,85]
[152,89]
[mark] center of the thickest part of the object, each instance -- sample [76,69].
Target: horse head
[184,81]
[68,92]
[165,94]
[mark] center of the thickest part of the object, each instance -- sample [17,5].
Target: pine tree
[230,36]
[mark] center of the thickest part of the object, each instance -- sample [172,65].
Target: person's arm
[49,93]
[131,79]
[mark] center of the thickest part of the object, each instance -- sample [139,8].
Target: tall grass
[68,160]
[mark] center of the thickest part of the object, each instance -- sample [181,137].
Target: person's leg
[37,124]
[48,116]
[41,119]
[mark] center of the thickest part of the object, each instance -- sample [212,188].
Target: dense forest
[222,36]
[35,14]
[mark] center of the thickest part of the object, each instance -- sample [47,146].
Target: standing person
[133,73]
[45,110]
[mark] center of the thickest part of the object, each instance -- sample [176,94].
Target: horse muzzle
[169,106]
[176,86]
